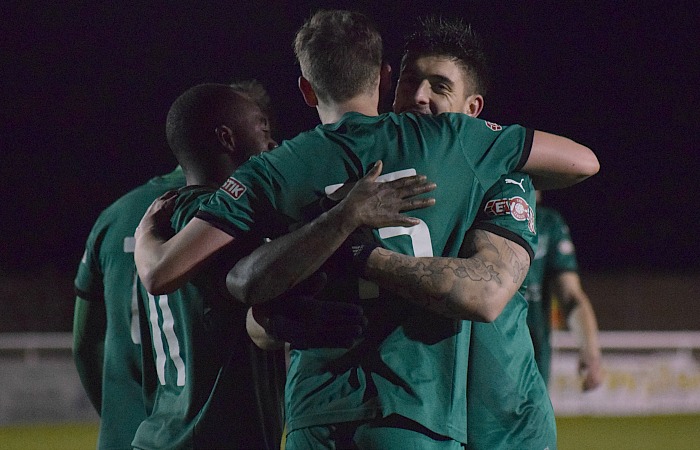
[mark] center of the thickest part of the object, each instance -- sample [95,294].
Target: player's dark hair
[340,54]
[452,38]
[195,115]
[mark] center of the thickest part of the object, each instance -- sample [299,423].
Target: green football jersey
[107,274]
[508,406]
[411,362]
[212,387]
[555,254]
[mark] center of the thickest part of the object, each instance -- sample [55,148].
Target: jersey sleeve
[235,207]
[562,257]
[88,282]
[187,204]
[508,211]
[493,150]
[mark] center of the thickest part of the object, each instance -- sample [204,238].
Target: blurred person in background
[554,274]
[106,323]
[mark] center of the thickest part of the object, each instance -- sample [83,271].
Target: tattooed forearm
[512,257]
[519,266]
[475,286]
[413,272]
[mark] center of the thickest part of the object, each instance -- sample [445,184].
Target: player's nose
[422,95]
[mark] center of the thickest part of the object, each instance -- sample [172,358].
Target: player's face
[431,85]
[254,132]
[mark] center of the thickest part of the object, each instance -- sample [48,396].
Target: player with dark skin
[190,364]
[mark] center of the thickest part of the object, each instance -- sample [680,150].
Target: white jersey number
[420,234]
[168,330]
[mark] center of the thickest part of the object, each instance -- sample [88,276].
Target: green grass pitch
[677,432]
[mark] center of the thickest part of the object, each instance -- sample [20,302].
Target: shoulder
[516,183]
[188,201]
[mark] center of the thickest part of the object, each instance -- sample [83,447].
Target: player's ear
[225,137]
[308,92]
[474,105]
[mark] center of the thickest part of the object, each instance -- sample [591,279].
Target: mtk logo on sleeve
[234,188]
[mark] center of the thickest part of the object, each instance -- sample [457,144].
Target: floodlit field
[54,437]
[677,432]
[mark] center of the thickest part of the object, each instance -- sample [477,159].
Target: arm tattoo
[485,263]
[516,261]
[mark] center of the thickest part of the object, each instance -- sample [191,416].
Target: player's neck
[363,104]
[213,175]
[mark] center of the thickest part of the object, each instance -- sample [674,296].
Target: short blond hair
[340,54]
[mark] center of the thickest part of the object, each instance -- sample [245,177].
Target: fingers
[317,323]
[342,312]
[408,195]
[590,383]
[411,186]
[374,172]
[592,375]
[169,194]
[416,203]
[165,201]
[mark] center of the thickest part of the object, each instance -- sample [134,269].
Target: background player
[106,329]
[554,272]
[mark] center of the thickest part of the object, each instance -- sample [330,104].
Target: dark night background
[86,88]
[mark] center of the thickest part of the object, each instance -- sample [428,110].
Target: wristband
[360,255]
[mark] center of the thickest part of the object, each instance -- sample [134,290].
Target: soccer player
[444,70]
[554,271]
[199,362]
[405,382]
[200,365]
[106,329]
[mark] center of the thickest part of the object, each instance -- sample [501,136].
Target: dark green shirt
[508,406]
[412,362]
[555,254]
[107,274]
[212,386]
